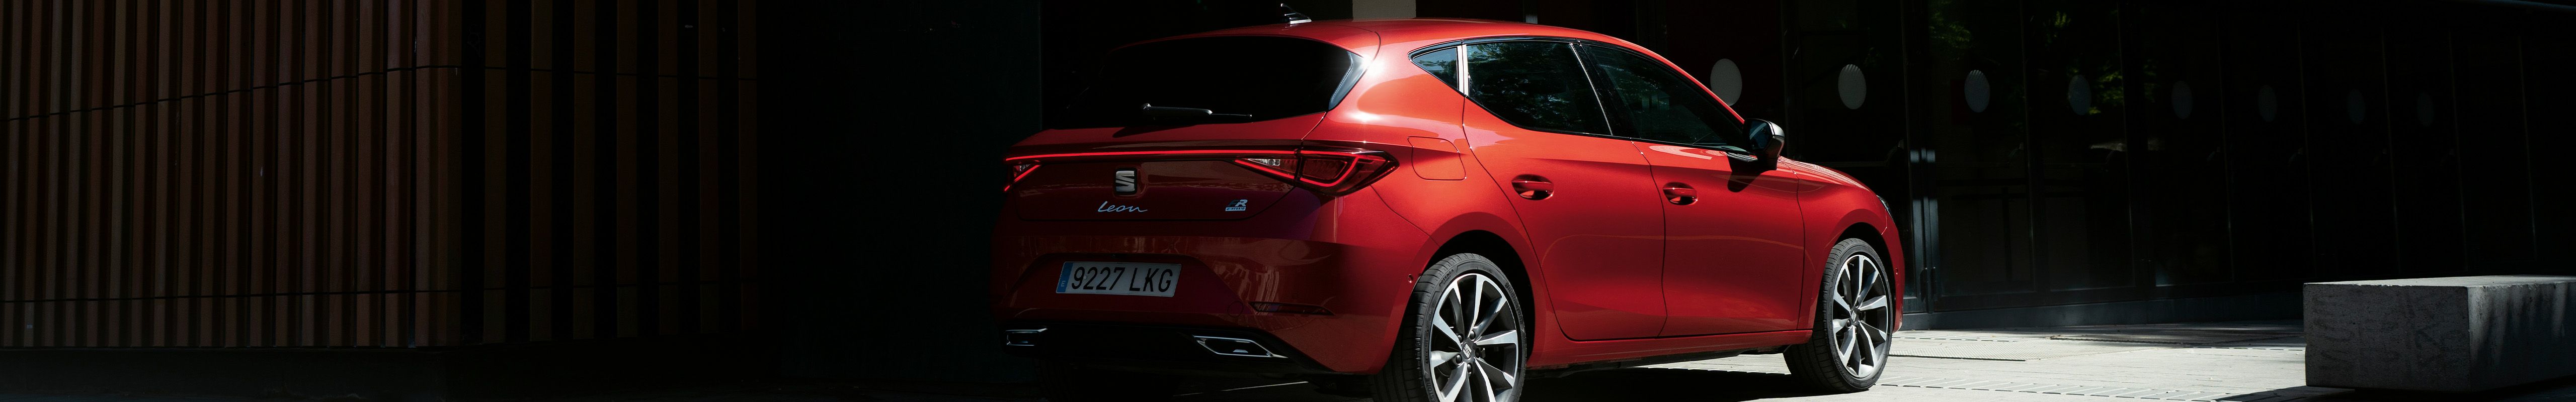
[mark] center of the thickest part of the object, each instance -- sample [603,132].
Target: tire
[1849,348]
[1065,382]
[1427,363]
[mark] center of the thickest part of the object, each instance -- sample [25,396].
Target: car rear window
[1264,77]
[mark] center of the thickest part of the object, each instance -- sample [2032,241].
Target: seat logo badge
[1105,207]
[1238,204]
[1124,182]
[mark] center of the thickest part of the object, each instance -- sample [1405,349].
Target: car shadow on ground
[1629,384]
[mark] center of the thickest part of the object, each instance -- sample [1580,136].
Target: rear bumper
[1158,348]
[1349,255]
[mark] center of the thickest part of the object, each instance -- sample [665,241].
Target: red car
[1425,210]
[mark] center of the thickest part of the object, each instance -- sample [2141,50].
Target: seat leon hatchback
[1424,210]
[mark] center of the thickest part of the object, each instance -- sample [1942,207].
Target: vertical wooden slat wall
[374,174]
[603,180]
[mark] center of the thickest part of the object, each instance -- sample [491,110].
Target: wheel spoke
[1440,358]
[1476,307]
[1457,383]
[1510,337]
[1868,279]
[1496,377]
[1447,332]
[1843,340]
[1843,288]
[1450,304]
[1852,361]
[1875,302]
[1494,314]
[1485,383]
[1869,346]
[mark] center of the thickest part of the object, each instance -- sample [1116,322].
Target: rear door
[1585,197]
[1731,224]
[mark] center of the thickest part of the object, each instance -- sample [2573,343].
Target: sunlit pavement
[2230,361]
[2251,361]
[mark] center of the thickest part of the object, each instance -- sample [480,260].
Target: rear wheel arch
[1505,256]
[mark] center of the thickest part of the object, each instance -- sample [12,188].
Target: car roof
[1448,28]
[1357,34]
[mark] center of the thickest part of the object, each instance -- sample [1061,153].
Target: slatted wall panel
[372,174]
[604,168]
[219,173]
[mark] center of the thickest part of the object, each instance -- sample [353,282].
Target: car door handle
[1680,195]
[1533,187]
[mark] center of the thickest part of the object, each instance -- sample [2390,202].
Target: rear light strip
[1019,171]
[1332,172]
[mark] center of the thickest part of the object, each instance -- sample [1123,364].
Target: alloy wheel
[1861,317]
[1475,352]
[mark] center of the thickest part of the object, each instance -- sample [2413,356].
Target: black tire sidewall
[1814,360]
[1405,379]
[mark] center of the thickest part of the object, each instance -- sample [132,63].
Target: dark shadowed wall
[447,177]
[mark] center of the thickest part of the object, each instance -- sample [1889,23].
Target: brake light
[1019,171]
[1331,171]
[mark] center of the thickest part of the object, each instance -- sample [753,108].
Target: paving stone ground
[2245,361]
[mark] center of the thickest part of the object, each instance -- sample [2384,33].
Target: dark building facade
[372,196]
[483,197]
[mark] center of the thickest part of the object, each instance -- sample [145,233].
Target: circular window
[2079,96]
[2424,110]
[2182,99]
[2354,108]
[1853,86]
[1726,80]
[1976,91]
[2267,103]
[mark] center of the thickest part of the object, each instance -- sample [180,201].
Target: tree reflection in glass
[1534,85]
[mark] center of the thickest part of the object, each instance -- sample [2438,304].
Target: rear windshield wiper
[1166,113]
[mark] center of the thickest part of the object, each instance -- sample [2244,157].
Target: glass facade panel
[2175,88]
[1975,142]
[2064,152]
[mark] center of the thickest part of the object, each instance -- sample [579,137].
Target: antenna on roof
[1290,15]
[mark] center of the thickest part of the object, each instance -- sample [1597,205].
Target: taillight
[1331,171]
[1019,171]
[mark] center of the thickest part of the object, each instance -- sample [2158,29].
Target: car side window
[1441,63]
[1534,85]
[1651,101]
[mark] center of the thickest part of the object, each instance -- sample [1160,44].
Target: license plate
[1134,278]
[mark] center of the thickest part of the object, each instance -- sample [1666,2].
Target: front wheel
[1463,341]
[1855,314]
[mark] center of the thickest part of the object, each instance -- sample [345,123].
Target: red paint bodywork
[1613,271]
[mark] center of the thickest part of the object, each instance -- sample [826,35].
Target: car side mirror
[1768,138]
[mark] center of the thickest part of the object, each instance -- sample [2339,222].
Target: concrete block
[2454,334]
